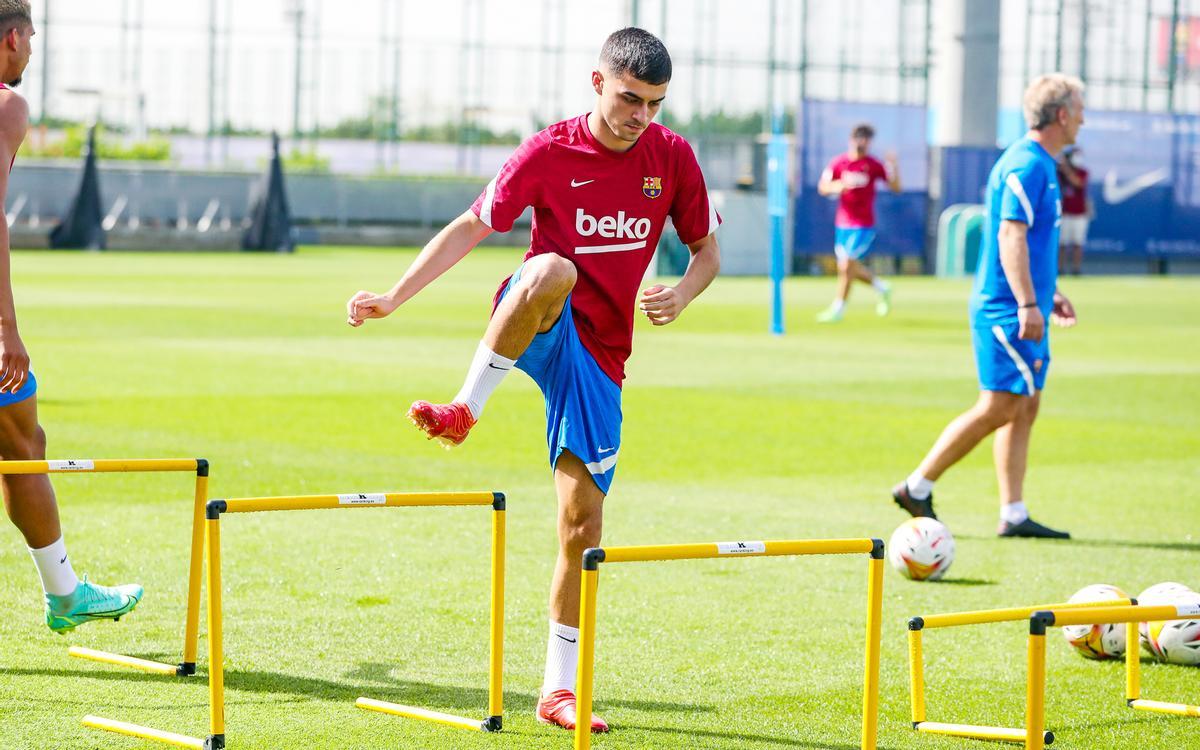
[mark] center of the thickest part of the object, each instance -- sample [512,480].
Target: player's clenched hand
[1063,314]
[1032,324]
[366,305]
[661,304]
[14,361]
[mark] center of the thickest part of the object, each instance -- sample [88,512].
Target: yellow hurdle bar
[870,720]
[707,550]
[133,730]
[977,732]
[496,622]
[412,712]
[216,633]
[1035,688]
[1133,664]
[1178,709]
[214,509]
[142,465]
[121,660]
[916,677]
[98,465]
[1136,613]
[1009,614]
[357,500]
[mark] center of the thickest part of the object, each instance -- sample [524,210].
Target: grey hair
[1047,95]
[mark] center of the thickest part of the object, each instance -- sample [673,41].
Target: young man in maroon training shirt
[601,186]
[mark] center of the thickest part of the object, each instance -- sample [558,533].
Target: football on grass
[922,549]
[1097,641]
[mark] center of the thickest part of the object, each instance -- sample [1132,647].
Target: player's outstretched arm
[663,304]
[450,246]
[14,359]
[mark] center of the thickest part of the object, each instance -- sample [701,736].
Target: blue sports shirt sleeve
[1022,192]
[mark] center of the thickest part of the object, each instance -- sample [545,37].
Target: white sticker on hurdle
[73,464]
[1184,610]
[741,548]
[373,499]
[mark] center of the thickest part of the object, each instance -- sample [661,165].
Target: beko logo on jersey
[611,227]
[619,227]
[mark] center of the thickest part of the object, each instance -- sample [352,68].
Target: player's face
[860,144]
[1074,119]
[21,41]
[627,105]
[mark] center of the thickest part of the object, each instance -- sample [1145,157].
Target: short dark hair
[863,130]
[636,52]
[14,13]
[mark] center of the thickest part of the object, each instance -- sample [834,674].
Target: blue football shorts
[852,243]
[1008,363]
[583,405]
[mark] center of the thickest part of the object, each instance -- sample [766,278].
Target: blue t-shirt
[1023,186]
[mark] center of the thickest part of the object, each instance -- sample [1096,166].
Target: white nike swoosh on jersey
[580,184]
[1115,192]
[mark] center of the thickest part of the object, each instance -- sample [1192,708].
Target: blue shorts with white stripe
[1008,363]
[583,405]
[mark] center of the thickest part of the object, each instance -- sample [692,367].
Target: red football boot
[558,709]
[448,423]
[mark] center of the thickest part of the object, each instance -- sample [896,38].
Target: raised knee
[553,275]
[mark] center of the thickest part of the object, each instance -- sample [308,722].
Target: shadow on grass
[370,679]
[742,738]
[963,582]
[1109,543]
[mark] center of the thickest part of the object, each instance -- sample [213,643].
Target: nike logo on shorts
[580,184]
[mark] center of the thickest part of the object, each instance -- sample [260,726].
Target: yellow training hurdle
[216,675]
[197,466]
[587,608]
[1034,734]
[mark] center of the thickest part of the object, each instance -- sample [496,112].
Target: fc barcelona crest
[652,186]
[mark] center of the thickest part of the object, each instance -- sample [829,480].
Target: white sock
[1013,513]
[919,487]
[838,305]
[880,285]
[487,370]
[58,577]
[562,657]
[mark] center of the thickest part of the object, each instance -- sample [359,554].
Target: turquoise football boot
[90,602]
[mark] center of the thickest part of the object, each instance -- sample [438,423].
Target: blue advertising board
[1144,183]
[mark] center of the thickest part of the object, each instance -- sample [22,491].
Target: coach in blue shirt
[1015,293]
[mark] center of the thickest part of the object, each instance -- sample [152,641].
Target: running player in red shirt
[602,186]
[29,498]
[851,177]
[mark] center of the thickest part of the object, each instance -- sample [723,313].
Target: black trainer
[1030,528]
[916,508]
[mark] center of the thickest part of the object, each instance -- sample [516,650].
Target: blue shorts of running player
[852,243]
[583,405]
[1009,363]
[25,391]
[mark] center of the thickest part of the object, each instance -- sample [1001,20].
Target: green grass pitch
[730,434]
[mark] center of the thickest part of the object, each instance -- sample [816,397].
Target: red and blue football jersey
[604,211]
